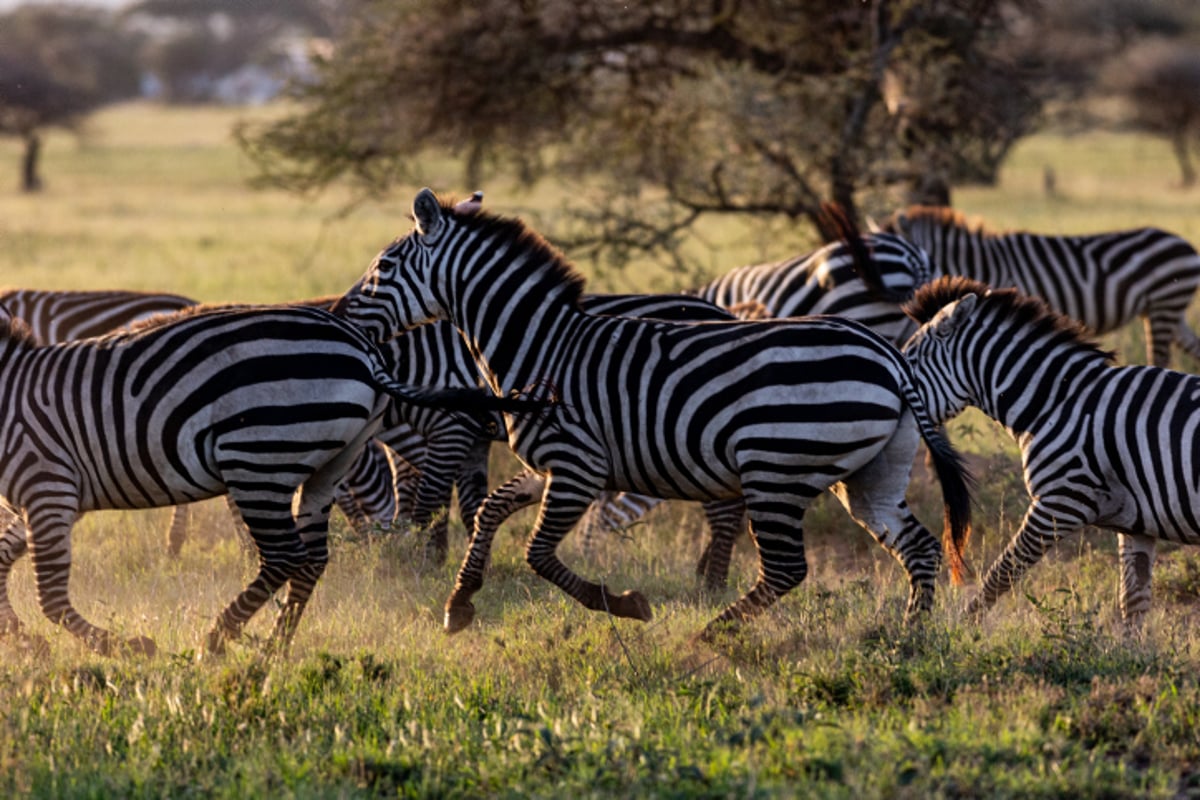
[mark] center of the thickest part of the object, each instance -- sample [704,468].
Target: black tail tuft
[470,401]
[956,481]
[834,219]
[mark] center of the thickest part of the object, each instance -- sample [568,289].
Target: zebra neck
[517,340]
[1020,382]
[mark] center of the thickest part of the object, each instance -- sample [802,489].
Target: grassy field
[829,695]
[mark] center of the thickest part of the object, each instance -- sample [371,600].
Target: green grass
[828,695]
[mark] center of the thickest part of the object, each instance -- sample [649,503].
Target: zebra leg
[1185,337]
[431,511]
[563,505]
[312,526]
[1137,564]
[12,547]
[593,520]
[514,494]
[726,519]
[177,533]
[1162,328]
[472,480]
[875,497]
[280,554]
[1039,530]
[49,535]
[776,527]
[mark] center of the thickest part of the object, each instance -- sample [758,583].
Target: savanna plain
[828,695]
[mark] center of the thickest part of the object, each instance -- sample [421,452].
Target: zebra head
[400,289]
[936,357]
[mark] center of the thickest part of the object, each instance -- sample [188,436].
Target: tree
[667,111]
[57,64]
[1161,81]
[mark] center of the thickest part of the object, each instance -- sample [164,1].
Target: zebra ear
[873,225]
[427,212]
[953,316]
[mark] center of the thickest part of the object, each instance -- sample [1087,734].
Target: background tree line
[664,113]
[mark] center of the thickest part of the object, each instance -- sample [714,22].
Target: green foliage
[828,695]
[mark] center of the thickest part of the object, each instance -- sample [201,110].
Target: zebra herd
[753,395]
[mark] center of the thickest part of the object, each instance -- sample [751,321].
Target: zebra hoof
[29,643]
[459,616]
[633,605]
[214,645]
[140,646]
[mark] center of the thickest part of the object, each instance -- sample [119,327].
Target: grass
[828,695]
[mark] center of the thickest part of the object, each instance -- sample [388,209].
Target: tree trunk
[30,180]
[1179,140]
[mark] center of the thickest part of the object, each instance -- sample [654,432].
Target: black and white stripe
[833,279]
[1114,447]
[776,412]
[263,404]
[62,316]
[863,278]
[456,451]
[1103,280]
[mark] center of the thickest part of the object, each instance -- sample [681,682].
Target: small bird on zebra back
[269,405]
[1114,447]
[775,412]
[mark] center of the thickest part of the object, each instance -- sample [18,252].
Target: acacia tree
[1161,81]
[57,64]
[667,111]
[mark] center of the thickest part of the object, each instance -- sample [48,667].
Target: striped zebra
[834,279]
[1102,280]
[774,411]
[62,316]
[456,453]
[865,278]
[1101,445]
[269,405]
[56,316]
[373,491]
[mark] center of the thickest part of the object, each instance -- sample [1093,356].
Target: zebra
[1103,280]
[775,411]
[456,453]
[60,316]
[865,278]
[374,491]
[1103,445]
[833,279]
[269,405]
[55,316]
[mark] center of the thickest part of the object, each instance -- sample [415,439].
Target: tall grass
[828,695]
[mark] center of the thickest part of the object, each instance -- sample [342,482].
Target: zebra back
[836,279]
[1102,280]
[61,316]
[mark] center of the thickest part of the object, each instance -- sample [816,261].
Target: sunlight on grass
[828,694]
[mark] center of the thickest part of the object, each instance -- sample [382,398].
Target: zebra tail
[476,402]
[956,493]
[835,218]
[953,475]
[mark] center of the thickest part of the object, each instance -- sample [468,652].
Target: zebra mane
[944,217]
[324,302]
[18,332]
[520,236]
[1027,312]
